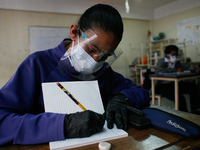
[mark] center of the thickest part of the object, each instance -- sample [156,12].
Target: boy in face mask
[170,64]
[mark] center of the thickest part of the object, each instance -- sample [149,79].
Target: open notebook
[87,93]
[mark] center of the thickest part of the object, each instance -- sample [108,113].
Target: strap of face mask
[71,54]
[78,40]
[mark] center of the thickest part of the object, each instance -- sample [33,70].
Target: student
[82,57]
[170,64]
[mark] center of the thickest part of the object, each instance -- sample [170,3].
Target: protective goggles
[98,49]
[90,56]
[172,55]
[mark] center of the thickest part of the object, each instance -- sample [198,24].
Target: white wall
[168,25]
[135,32]
[14,38]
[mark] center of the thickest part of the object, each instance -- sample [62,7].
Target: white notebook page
[88,94]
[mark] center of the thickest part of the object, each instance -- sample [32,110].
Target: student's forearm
[165,70]
[30,128]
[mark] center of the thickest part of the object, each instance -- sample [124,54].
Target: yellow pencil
[71,96]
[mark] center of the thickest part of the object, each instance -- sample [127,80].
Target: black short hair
[170,48]
[102,16]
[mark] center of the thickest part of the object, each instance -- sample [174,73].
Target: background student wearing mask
[82,57]
[170,64]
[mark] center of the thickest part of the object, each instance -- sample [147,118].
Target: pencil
[71,96]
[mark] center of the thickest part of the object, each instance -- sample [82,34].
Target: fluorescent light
[127,7]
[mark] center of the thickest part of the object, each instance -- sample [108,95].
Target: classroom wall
[168,25]
[14,38]
[135,33]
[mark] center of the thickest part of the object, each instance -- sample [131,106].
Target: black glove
[117,111]
[83,124]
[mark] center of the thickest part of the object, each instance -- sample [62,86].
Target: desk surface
[146,139]
[173,75]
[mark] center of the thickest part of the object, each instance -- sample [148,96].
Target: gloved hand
[83,124]
[117,111]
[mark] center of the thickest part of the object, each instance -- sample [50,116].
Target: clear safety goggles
[97,48]
[172,55]
[93,49]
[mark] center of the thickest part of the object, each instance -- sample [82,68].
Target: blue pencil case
[171,123]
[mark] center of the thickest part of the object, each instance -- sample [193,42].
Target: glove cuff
[65,126]
[119,96]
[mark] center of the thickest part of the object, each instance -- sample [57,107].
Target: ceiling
[149,4]
[138,9]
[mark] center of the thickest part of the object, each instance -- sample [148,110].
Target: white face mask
[83,62]
[173,59]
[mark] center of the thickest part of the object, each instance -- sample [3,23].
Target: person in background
[170,64]
[86,55]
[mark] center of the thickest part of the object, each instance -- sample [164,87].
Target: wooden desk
[176,79]
[146,139]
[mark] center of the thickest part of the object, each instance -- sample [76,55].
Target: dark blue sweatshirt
[22,116]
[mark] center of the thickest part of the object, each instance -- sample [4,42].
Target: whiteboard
[42,38]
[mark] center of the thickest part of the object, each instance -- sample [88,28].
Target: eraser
[104,146]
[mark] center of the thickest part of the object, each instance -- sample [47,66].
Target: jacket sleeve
[137,95]
[162,67]
[22,116]
[187,67]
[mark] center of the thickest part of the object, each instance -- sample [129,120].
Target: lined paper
[88,94]
[106,134]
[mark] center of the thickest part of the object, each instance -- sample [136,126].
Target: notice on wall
[42,38]
[189,31]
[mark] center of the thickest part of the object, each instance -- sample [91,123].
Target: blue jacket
[22,116]
[162,67]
